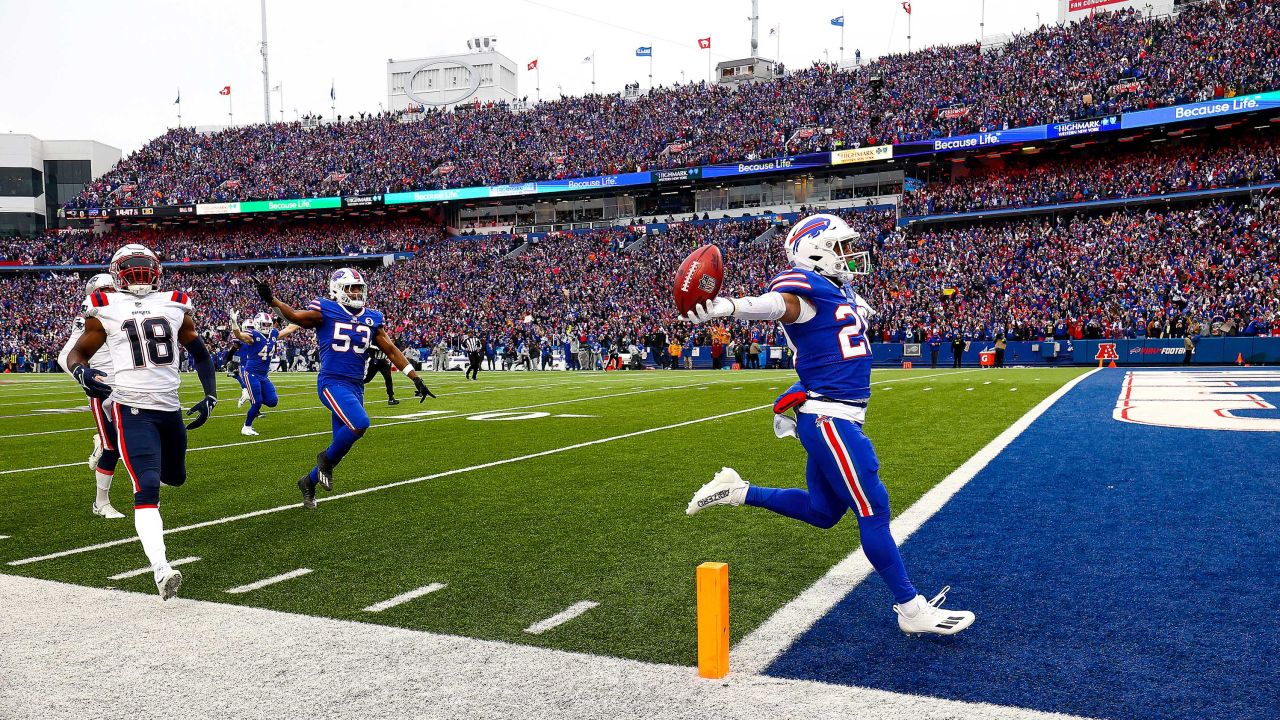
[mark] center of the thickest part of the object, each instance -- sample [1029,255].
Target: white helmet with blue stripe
[262,321]
[348,288]
[827,245]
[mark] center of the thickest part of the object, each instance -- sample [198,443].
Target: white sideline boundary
[223,661]
[755,652]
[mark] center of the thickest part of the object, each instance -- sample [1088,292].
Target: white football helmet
[827,245]
[246,326]
[262,321]
[347,287]
[135,269]
[101,281]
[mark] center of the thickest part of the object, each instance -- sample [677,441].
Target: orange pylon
[1112,364]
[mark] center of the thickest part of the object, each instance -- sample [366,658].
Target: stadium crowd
[1106,174]
[277,238]
[1207,269]
[1108,63]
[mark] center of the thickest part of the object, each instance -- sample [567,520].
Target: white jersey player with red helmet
[140,327]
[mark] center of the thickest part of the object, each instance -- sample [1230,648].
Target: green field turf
[515,542]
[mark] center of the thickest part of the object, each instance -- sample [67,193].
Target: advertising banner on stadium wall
[361,200]
[972,142]
[1202,110]
[323,203]
[1084,127]
[862,155]
[513,189]
[223,208]
[141,212]
[791,162]
[593,183]
[417,196]
[663,176]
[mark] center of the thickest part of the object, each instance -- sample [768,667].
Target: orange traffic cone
[1111,364]
[1239,358]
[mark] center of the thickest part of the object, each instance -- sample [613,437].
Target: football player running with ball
[825,322]
[141,328]
[345,329]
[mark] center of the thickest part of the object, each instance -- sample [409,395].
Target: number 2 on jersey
[853,341]
[342,341]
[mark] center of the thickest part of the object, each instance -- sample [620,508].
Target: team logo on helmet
[811,229]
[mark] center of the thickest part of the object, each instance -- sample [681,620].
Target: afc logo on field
[1107,351]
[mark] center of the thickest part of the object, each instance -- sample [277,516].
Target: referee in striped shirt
[472,346]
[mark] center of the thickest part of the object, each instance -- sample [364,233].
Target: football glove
[784,426]
[201,410]
[89,380]
[793,397]
[264,291]
[235,318]
[709,310]
[420,390]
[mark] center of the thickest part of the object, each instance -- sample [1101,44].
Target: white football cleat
[97,452]
[919,616]
[244,398]
[248,430]
[106,511]
[726,488]
[168,581]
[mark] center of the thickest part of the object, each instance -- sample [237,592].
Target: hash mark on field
[561,618]
[967,389]
[927,389]
[144,570]
[4,537]
[1013,389]
[405,597]
[269,581]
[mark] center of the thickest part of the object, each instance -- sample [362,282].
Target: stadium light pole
[266,78]
[982,23]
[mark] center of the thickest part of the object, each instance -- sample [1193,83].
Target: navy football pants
[153,446]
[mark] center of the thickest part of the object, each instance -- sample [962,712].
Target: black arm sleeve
[204,367]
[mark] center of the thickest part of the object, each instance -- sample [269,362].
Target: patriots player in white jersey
[141,327]
[104,458]
[825,322]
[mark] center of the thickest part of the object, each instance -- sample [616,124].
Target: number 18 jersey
[343,338]
[833,356]
[142,337]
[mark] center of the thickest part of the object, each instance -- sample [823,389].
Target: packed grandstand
[1208,264]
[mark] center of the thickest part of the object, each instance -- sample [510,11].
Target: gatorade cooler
[987,358]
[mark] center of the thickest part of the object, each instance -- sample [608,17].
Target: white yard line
[755,652]
[561,617]
[405,597]
[241,589]
[433,476]
[144,570]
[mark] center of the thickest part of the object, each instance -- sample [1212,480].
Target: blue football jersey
[343,339]
[833,355]
[256,356]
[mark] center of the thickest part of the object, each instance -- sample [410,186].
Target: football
[698,278]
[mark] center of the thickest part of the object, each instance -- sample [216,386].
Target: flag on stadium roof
[589,58]
[906,6]
[644,51]
[226,90]
[704,43]
[533,64]
[838,21]
[179,100]
[332,94]
[774,30]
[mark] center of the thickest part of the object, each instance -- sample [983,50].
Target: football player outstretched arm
[420,390]
[302,318]
[190,339]
[784,307]
[78,359]
[289,329]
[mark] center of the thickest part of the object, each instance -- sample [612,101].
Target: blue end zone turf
[1117,570]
